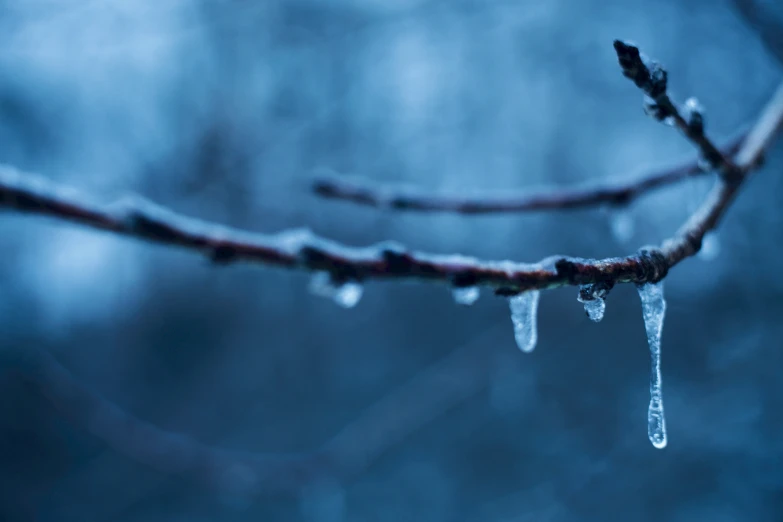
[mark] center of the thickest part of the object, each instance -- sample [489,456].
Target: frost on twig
[338,265]
[301,249]
[652,79]
[617,194]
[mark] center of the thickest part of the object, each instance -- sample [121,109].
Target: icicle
[346,294]
[710,247]
[466,295]
[653,310]
[593,296]
[524,311]
[594,308]
[622,225]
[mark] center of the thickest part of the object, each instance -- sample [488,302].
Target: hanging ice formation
[653,310]
[346,294]
[466,295]
[524,312]
[593,297]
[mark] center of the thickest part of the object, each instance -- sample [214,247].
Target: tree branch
[301,249]
[363,192]
[248,473]
[653,80]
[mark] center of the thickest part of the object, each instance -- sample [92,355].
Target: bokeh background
[225,109]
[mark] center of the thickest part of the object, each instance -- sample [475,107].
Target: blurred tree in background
[227,109]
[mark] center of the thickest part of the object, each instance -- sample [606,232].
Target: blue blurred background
[225,109]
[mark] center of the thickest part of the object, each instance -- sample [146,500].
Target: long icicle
[653,310]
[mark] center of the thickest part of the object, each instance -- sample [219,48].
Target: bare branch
[770,30]
[250,474]
[301,249]
[688,239]
[362,192]
[652,79]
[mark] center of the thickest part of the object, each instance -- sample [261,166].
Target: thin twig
[364,192]
[248,473]
[687,241]
[652,79]
[301,249]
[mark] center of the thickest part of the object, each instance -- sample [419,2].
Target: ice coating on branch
[710,247]
[653,311]
[524,316]
[466,296]
[347,294]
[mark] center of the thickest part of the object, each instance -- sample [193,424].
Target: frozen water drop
[594,308]
[710,247]
[524,312]
[466,295]
[653,311]
[593,297]
[622,224]
[346,294]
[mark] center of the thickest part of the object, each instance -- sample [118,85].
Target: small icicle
[466,295]
[593,296]
[524,312]
[594,308]
[347,294]
[653,310]
[710,247]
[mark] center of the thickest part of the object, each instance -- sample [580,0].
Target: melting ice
[593,297]
[653,310]
[466,295]
[347,294]
[524,311]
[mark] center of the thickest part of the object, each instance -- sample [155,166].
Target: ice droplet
[593,297]
[710,247]
[347,294]
[524,312]
[466,296]
[622,225]
[594,308]
[653,311]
